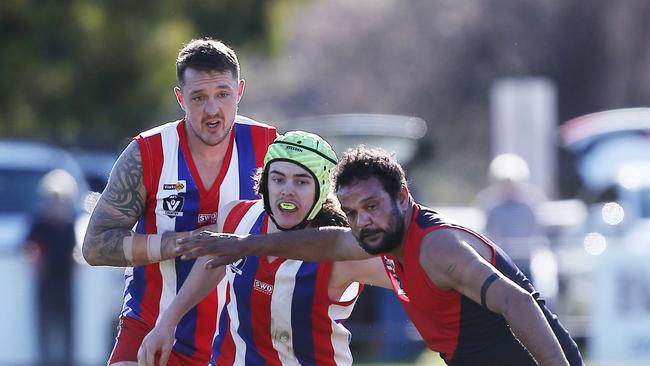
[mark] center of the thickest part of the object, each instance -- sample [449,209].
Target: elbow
[90,255]
[516,302]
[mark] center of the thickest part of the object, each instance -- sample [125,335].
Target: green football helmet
[312,153]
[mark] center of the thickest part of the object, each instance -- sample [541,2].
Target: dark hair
[362,163]
[330,213]
[206,54]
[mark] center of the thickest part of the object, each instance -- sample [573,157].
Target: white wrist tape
[154,247]
[127,245]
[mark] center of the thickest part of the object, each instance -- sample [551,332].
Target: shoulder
[243,120]
[130,158]
[449,242]
[156,130]
[238,207]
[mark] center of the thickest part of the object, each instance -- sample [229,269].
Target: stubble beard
[392,237]
[206,140]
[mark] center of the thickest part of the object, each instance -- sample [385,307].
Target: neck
[272,227]
[203,151]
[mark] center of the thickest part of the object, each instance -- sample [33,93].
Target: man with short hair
[171,180]
[464,295]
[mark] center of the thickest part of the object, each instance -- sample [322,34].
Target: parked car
[96,167]
[612,155]
[97,289]
[22,166]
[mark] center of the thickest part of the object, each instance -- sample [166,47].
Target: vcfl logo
[173,205]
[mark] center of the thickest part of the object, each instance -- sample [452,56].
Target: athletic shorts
[129,338]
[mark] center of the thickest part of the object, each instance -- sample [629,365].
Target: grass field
[432,359]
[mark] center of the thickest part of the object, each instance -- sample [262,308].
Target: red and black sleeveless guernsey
[279,312]
[177,201]
[464,332]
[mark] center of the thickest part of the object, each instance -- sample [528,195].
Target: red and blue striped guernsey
[177,201]
[279,312]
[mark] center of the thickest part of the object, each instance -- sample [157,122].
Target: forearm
[531,328]
[121,247]
[322,244]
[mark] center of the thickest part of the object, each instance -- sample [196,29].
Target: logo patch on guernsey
[173,205]
[207,219]
[178,186]
[263,287]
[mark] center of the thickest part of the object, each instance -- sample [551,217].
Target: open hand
[158,342]
[225,248]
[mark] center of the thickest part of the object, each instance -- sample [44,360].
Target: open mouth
[213,124]
[287,207]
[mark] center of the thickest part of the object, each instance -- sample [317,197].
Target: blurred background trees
[93,73]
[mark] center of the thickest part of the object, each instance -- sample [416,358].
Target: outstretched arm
[110,240]
[199,283]
[463,268]
[322,244]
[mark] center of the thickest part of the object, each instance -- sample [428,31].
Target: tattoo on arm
[118,209]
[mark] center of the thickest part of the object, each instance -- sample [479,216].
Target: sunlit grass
[429,358]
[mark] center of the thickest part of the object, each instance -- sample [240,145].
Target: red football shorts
[129,338]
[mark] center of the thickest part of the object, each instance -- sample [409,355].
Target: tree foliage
[438,59]
[93,72]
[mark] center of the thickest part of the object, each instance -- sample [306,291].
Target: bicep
[369,271]
[123,200]
[462,268]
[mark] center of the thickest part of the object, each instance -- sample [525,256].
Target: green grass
[429,358]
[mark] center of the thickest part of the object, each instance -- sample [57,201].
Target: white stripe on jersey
[240,345]
[157,129]
[244,225]
[128,277]
[285,282]
[340,335]
[250,217]
[247,121]
[229,189]
[169,173]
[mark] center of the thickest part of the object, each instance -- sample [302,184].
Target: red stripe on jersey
[151,153]
[262,138]
[152,162]
[205,326]
[322,326]
[235,216]
[227,350]
[261,316]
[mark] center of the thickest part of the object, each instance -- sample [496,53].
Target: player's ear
[179,97]
[403,196]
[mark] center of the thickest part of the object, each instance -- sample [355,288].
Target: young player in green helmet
[278,310]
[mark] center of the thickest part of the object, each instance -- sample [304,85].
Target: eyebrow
[373,197]
[299,175]
[276,172]
[220,87]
